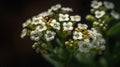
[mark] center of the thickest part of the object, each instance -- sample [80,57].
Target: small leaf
[114,30]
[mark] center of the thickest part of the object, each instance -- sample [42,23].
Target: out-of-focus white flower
[35,35]
[84,46]
[55,24]
[41,27]
[35,38]
[102,47]
[77,35]
[50,35]
[109,5]
[67,26]
[63,17]
[24,32]
[82,26]
[36,20]
[115,14]
[96,39]
[67,9]
[43,14]
[56,7]
[26,23]
[95,4]
[75,18]
[99,14]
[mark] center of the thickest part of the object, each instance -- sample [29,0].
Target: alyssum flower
[50,35]
[63,17]
[67,26]
[95,4]
[57,26]
[75,18]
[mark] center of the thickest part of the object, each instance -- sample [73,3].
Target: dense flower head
[56,25]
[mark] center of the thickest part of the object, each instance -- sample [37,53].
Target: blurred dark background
[18,52]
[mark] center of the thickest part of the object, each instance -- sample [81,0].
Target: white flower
[115,14]
[50,35]
[82,26]
[41,27]
[77,35]
[56,7]
[96,39]
[84,46]
[63,17]
[26,23]
[43,14]
[99,14]
[55,24]
[75,18]
[35,38]
[24,32]
[35,35]
[102,47]
[109,5]
[37,19]
[67,26]
[95,4]
[66,9]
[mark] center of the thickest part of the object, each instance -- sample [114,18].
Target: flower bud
[90,18]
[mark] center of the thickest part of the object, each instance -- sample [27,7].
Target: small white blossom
[26,23]
[109,5]
[97,39]
[50,35]
[41,27]
[56,7]
[84,46]
[115,14]
[43,14]
[35,35]
[67,26]
[95,4]
[102,47]
[77,35]
[82,26]
[75,18]
[37,19]
[24,33]
[63,17]
[66,9]
[35,38]
[55,24]
[99,14]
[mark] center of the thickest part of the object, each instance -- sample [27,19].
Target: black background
[18,52]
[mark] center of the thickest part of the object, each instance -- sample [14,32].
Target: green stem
[59,42]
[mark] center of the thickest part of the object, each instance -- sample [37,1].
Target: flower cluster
[56,26]
[101,14]
[86,40]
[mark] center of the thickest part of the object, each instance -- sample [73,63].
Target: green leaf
[114,30]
